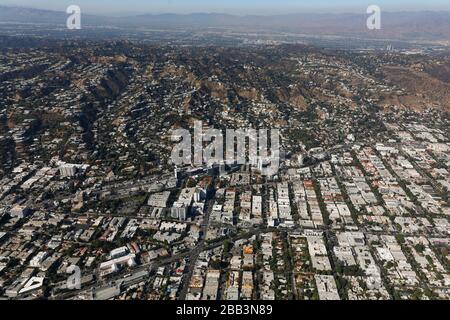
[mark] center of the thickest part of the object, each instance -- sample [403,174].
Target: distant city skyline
[241,7]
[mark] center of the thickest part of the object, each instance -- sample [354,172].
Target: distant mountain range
[425,25]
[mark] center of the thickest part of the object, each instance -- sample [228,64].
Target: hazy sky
[230,6]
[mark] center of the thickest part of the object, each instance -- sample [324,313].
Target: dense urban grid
[358,210]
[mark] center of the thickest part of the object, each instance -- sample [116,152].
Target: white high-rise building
[67,170]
